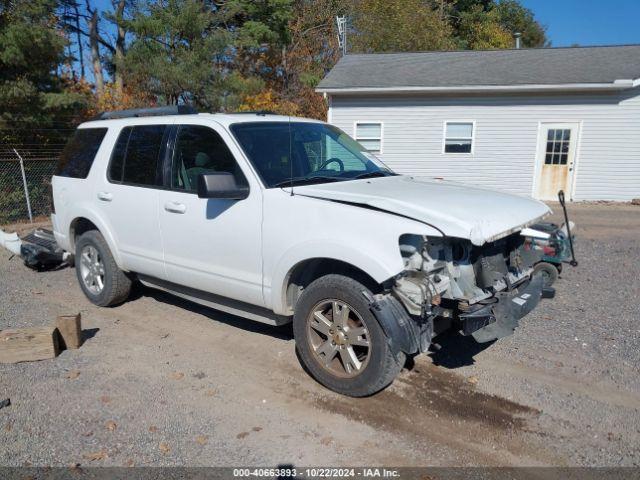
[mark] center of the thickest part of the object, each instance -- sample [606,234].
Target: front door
[215,244]
[556,159]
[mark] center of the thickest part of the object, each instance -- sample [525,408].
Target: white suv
[281,219]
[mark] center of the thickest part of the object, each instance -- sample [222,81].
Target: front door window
[201,150]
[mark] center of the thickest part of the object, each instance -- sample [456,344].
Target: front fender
[298,228]
[381,267]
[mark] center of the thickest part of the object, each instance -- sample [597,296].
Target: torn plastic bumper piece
[500,319]
[11,242]
[406,333]
[39,250]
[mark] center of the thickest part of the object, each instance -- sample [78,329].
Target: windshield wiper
[305,181]
[378,173]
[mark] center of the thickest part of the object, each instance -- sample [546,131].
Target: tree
[96,58]
[312,52]
[33,92]
[483,30]
[180,54]
[260,35]
[291,70]
[223,54]
[119,50]
[398,26]
[82,23]
[516,18]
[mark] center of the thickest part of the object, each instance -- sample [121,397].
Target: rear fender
[85,211]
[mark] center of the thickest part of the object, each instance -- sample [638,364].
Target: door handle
[175,207]
[105,196]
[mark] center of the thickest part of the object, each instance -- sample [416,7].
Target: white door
[213,245]
[128,198]
[556,159]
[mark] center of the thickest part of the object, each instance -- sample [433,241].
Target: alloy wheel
[339,339]
[92,269]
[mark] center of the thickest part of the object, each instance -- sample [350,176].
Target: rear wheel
[101,280]
[339,341]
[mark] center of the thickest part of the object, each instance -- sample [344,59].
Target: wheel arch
[85,221]
[305,271]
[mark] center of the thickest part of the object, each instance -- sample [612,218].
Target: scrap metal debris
[38,249]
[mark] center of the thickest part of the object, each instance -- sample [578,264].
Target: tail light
[51,202]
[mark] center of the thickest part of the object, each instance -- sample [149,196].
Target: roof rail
[147,112]
[258,112]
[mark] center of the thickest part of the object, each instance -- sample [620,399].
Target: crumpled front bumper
[501,318]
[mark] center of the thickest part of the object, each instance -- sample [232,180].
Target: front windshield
[297,153]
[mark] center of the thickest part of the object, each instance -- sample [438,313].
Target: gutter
[617,85]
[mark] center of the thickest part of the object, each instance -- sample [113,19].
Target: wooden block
[70,329]
[28,344]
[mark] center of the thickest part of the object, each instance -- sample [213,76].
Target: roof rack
[147,112]
[257,112]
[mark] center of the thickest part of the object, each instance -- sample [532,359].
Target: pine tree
[33,92]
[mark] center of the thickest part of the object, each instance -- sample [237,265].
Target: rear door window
[136,157]
[78,155]
[116,164]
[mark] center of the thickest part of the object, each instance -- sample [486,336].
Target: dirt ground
[160,381]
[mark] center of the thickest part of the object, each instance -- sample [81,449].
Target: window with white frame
[458,137]
[369,135]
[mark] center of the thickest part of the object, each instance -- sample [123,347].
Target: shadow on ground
[283,332]
[457,350]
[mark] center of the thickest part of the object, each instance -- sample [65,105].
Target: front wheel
[339,341]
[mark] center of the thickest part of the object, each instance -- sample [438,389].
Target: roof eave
[563,87]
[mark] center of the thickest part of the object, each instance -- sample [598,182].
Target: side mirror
[220,185]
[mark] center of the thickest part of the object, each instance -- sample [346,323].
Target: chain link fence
[25,182]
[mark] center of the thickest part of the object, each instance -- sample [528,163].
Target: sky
[588,22]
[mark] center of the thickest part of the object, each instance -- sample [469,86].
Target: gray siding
[506,138]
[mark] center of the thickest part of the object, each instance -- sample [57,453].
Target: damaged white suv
[281,219]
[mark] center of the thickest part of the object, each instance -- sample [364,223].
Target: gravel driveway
[160,381]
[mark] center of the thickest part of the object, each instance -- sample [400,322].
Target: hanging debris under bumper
[499,319]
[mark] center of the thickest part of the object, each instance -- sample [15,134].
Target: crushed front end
[450,283]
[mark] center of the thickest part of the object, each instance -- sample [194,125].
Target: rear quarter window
[78,155]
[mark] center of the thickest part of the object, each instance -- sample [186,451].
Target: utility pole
[341,22]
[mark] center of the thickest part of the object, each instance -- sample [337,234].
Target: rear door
[213,245]
[128,197]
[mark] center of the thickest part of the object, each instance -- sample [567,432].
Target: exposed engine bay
[449,280]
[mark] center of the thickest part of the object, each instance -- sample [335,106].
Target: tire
[549,273]
[92,249]
[377,364]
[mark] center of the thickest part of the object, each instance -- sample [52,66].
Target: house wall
[506,138]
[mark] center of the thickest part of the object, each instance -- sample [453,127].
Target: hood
[478,214]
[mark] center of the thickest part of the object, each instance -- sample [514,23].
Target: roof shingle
[540,66]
